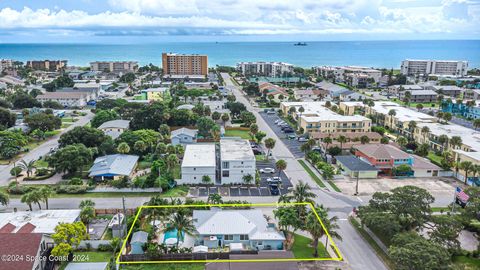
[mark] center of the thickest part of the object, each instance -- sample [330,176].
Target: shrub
[75,181]
[123,182]
[71,189]
[104,247]
[12,189]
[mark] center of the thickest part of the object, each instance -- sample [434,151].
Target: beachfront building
[184,64]
[114,66]
[199,161]
[114,128]
[237,160]
[236,229]
[269,69]
[47,65]
[355,76]
[433,67]
[318,118]
[6,64]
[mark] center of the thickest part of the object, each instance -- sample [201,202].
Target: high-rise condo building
[47,65]
[270,69]
[434,67]
[184,64]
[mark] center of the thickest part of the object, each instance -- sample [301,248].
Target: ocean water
[388,54]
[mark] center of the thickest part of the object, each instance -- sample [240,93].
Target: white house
[114,128]
[199,160]
[183,136]
[237,160]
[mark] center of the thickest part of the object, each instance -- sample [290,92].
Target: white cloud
[247,17]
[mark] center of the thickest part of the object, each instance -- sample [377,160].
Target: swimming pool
[171,234]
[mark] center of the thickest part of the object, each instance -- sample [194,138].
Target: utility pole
[124,217]
[356,186]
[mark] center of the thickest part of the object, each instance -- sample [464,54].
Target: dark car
[274,189]
[289,130]
[284,127]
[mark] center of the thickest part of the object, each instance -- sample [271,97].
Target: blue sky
[118,21]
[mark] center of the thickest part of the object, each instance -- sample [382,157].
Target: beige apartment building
[114,66]
[316,118]
[47,65]
[184,64]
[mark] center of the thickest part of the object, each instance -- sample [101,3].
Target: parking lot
[243,190]
[292,144]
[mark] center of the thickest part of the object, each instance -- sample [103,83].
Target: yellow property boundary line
[335,248]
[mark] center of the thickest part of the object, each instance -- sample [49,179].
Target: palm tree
[443,140]
[411,127]
[419,106]
[456,141]
[341,139]
[215,133]
[172,161]
[86,203]
[182,223]
[206,179]
[253,130]
[86,216]
[225,118]
[439,116]
[140,146]
[327,141]
[4,198]
[316,230]
[467,167]
[476,123]
[303,193]
[247,179]
[214,198]
[269,144]
[16,171]
[392,113]
[27,166]
[401,141]
[123,148]
[46,192]
[425,131]
[364,139]
[28,199]
[281,166]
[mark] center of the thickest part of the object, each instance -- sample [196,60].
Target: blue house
[183,136]
[217,228]
[113,167]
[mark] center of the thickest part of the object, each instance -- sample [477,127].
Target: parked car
[302,139]
[291,137]
[274,179]
[278,120]
[282,127]
[281,122]
[274,189]
[267,170]
[288,130]
[271,112]
[257,151]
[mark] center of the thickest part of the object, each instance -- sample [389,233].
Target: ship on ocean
[300,44]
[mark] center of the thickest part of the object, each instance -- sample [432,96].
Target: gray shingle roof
[139,237]
[355,164]
[382,151]
[184,131]
[113,165]
[115,124]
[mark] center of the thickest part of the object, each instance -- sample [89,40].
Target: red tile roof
[7,228]
[19,244]
[27,228]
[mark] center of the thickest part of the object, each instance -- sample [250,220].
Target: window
[225,164]
[228,237]
[259,243]
[243,237]
[226,173]
[194,169]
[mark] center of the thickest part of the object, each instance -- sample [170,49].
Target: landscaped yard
[90,256]
[302,248]
[435,158]
[466,262]
[312,174]
[168,266]
[244,134]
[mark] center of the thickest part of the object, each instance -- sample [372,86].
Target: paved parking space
[293,145]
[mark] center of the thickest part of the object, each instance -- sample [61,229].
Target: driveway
[42,149]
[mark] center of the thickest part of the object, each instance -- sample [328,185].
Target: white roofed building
[237,160]
[199,160]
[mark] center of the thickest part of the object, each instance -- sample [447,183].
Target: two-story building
[199,161]
[237,160]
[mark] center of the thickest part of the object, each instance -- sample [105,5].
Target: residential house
[23,251]
[307,94]
[420,96]
[199,160]
[113,167]
[183,136]
[351,96]
[237,160]
[274,92]
[355,167]
[330,89]
[352,138]
[114,128]
[66,99]
[447,90]
[242,229]
[398,88]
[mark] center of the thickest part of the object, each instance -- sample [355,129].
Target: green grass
[93,256]
[142,165]
[434,158]
[168,266]
[337,189]
[312,174]
[260,157]
[440,209]
[41,163]
[467,262]
[372,243]
[302,248]
[244,134]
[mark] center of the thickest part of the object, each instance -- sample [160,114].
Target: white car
[267,170]
[302,139]
[275,179]
[281,123]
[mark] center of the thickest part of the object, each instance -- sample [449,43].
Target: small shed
[139,239]
[351,165]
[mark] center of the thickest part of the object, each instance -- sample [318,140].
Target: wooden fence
[184,256]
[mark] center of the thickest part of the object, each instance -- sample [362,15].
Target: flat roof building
[114,66]
[41,221]
[184,64]
[237,160]
[199,160]
[269,69]
[434,67]
[47,65]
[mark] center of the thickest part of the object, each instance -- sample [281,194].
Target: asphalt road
[354,249]
[42,149]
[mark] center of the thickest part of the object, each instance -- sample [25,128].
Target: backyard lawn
[244,134]
[302,248]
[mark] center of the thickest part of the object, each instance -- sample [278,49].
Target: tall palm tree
[315,229]
[172,161]
[281,166]
[425,131]
[86,203]
[411,127]
[27,166]
[443,140]
[215,132]
[28,199]
[401,141]
[327,141]
[269,144]
[392,113]
[87,214]
[225,118]
[303,193]
[341,139]
[46,192]
[456,141]
[4,198]
[183,224]
[467,167]
[123,148]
